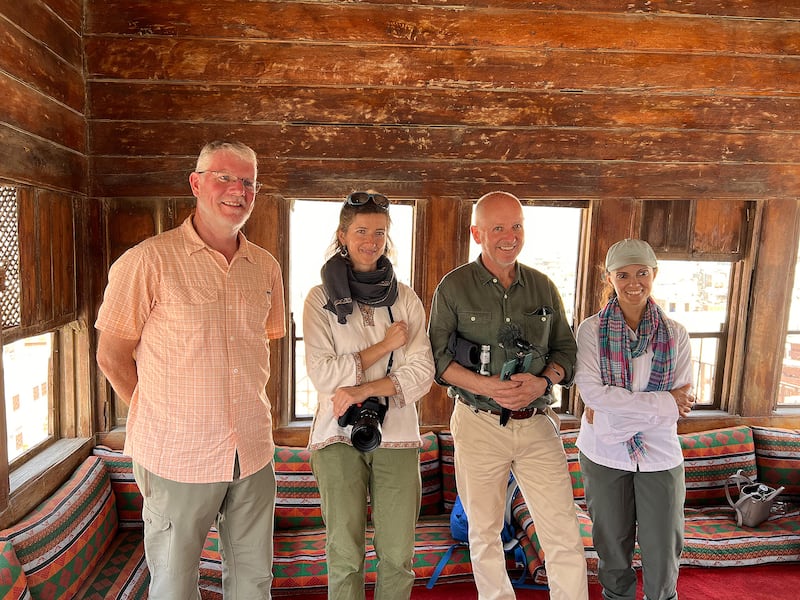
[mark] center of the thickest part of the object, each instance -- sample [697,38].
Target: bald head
[492,202]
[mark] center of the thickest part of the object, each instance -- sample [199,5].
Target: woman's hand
[396,336]
[684,398]
[344,397]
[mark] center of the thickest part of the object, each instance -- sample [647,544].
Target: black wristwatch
[549,387]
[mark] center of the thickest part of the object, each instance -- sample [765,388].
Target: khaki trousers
[390,478]
[177,517]
[532,450]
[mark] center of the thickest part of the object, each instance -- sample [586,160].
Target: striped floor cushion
[525,521]
[710,457]
[61,541]
[712,538]
[569,438]
[300,561]
[126,492]
[122,574]
[447,452]
[297,504]
[430,468]
[778,459]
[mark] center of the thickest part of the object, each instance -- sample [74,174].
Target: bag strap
[740,479]
[441,564]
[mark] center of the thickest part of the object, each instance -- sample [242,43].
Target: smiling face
[499,230]
[223,207]
[633,284]
[365,239]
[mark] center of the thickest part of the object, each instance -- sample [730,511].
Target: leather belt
[525,413]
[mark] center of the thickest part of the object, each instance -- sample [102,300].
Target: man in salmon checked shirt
[185,326]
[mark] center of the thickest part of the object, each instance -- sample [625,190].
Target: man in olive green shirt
[506,424]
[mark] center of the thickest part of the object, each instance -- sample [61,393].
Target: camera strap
[391,355]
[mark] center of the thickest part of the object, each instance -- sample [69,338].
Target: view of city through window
[789,389]
[26,370]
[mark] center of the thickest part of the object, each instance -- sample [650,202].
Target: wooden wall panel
[165,103]
[32,61]
[152,176]
[56,22]
[282,63]
[47,258]
[720,228]
[24,108]
[408,25]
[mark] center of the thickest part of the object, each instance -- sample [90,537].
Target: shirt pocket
[188,307]
[257,304]
[473,324]
[537,328]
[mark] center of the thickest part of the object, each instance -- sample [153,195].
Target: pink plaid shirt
[203,328]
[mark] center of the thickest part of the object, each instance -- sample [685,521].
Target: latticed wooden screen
[9,258]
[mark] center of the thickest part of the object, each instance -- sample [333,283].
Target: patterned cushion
[778,459]
[299,563]
[447,452]
[523,518]
[122,574]
[60,542]
[13,584]
[710,457]
[430,470]
[297,504]
[712,538]
[126,492]
[211,566]
[569,437]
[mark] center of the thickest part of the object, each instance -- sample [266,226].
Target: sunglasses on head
[361,198]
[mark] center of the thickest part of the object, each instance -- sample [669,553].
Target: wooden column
[773,278]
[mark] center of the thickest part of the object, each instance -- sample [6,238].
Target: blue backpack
[459,530]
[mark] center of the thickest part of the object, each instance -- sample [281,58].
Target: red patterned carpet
[767,582]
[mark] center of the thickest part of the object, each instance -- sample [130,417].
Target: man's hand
[523,390]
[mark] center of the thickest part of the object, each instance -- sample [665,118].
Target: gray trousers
[618,502]
[390,478]
[177,517]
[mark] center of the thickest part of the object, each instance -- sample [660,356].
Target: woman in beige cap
[634,375]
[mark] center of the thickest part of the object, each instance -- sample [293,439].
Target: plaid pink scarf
[616,352]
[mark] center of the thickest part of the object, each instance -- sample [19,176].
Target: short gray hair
[240,149]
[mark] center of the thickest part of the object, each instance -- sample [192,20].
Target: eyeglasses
[227,179]
[361,198]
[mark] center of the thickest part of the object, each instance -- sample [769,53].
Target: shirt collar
[487,276]
[193,243]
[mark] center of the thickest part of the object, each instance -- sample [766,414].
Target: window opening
[695,294]
[27,365]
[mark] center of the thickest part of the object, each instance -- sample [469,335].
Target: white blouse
[620,413]
[332,362]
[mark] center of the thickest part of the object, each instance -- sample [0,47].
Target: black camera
[366,419]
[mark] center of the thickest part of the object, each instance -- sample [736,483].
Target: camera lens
[366,435]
